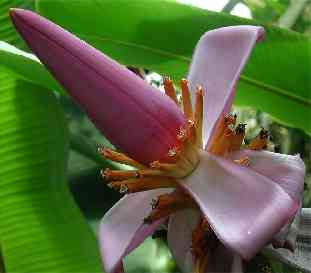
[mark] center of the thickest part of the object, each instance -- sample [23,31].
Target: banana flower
[222,200]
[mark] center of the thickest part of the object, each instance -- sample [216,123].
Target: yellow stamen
[238,137]
[119,157]
[223,124]
[243,161]
[182,134]
[198,115]
[168,167]
[143,184]
[150,172]
[260,142]
[171,169]
[191,131]
[186,98]
[169,89]
[222,145]
[201,264]
[204,242]
[225,139]
[114,175]
[199,243]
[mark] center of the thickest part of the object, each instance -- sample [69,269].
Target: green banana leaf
[41,228]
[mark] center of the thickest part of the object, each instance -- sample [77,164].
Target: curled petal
[122,229]
[244,208]
[286,170]
[129,112]
[218,60]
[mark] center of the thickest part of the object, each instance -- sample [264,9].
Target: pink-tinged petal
[129,112]
[286,170]
[244,208]
[179,237]
[218,60]
[122,228]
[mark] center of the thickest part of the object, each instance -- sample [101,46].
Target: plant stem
[230,6]
[289,18]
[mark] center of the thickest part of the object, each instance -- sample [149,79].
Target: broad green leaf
[27,66]
[41,229]
[160,35]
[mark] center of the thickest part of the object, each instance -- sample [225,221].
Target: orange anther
[222,128]
[238,137]
[243,161]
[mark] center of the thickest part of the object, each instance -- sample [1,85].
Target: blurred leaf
[27,66]
[41,229]
[162,37]
[150,256]
[267,10]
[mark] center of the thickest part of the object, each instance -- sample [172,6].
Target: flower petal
[244,208]
[286,170]
[130,113]
[179,237]
[122,228]
[218,60]
[301,258]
